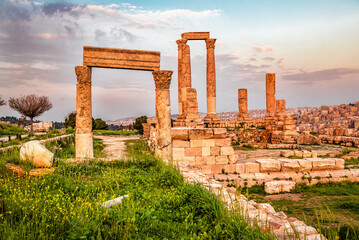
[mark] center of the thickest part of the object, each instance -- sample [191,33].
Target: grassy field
[6,130]
[66,205]
[332,207]
[110,132]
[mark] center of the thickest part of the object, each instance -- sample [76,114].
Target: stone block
[199,161]
[230,168]
[240,168]
[251,167]
[215,151]
[200,133]
[196,143]
[219,132]
[227,151]
[221,160]
[180,144]
[278,186]
[314,154]
[180,133]
[216,168]
[226,142]
[178,152]
[322,163]
[210,160]
[206,151]
[298,153]
[206,169]
[269,165]
[287,153]
[306,154]
[37,154]
[289,165]
[232,159]
[209,142]
[15,169]
[305,165]
[193,151]
[339,163]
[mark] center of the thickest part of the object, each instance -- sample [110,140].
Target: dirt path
[115,145]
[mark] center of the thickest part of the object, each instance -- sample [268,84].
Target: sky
[311,46]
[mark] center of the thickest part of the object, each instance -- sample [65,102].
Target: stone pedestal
[243,105]
[270,94]
[84,142]
[163,113]
[211,82]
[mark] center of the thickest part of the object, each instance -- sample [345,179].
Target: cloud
[13,12]
[60,8]
[123,35]
[323,75]
[265,48]
[269,59]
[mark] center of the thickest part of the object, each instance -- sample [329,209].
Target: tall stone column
[186,67]
[163,113]
[84,142]
[270,94]
[243,105]
[211,82]
[181,43]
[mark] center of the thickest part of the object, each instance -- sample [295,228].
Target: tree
[138,124]
[2,101]
[100,124]
[30,106]
[70,120]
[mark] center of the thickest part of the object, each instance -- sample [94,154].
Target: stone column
[84,142]
[163,113]
[186,67]
[211,82]
[181,43]
[270,94]
[280,106]
[243,105]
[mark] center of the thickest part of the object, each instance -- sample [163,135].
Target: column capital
[83,74]
[210,42]
[181,42]
[162,79]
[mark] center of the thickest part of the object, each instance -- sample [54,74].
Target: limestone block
[227,151]
[187,160]
[221,160]
[206,169]
[40,172]
[278,186]
[15,169]
[289,165]
[180,133]
[206,151]
[230,168]
[195,152]
[201,133]
[196,142]
[216,169]
[199,161]
[269,165]
[178,152]
[322,163]
[298,153]
[287,153]
[37,154]
[219,132]
[84,145]
[240,168]
[232,159]
[339,163]
[195,35]
[251,167]
[208,142]
[215,151]
[223,142]
[308,139]
[306,154]
[180,144]
[210,160]
[314,154]
[305,165]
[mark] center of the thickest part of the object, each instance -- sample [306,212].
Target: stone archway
[121,59]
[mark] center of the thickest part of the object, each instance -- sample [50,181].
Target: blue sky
[312,46]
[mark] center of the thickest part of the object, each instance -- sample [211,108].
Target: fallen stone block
[113,202]
[278,186]
[37,154]
[15,169]
[287,153]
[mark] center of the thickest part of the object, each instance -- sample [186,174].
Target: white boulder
[37,154]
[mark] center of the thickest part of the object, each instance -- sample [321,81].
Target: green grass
[6,130]
[332,207]
[352,161]
[110,132]
[65,205]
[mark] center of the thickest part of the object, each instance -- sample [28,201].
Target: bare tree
[2,101]
[30,106]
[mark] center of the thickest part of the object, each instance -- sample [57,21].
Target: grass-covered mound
[160,205]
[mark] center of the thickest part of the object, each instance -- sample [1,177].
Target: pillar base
[84,145]
[244,118]
[211,118]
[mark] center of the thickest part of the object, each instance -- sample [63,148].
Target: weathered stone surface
[287,153]
[322,163]
[305,138]
[251,167]
[195,35]
[121,58]
[269,165]
[305,165]
[278,186]
[40,172]
[289,165]
[37,154]
[306,154]
[15,169]
[270,92]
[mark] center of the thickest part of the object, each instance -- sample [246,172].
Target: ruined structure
[121,59]
[187,107]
